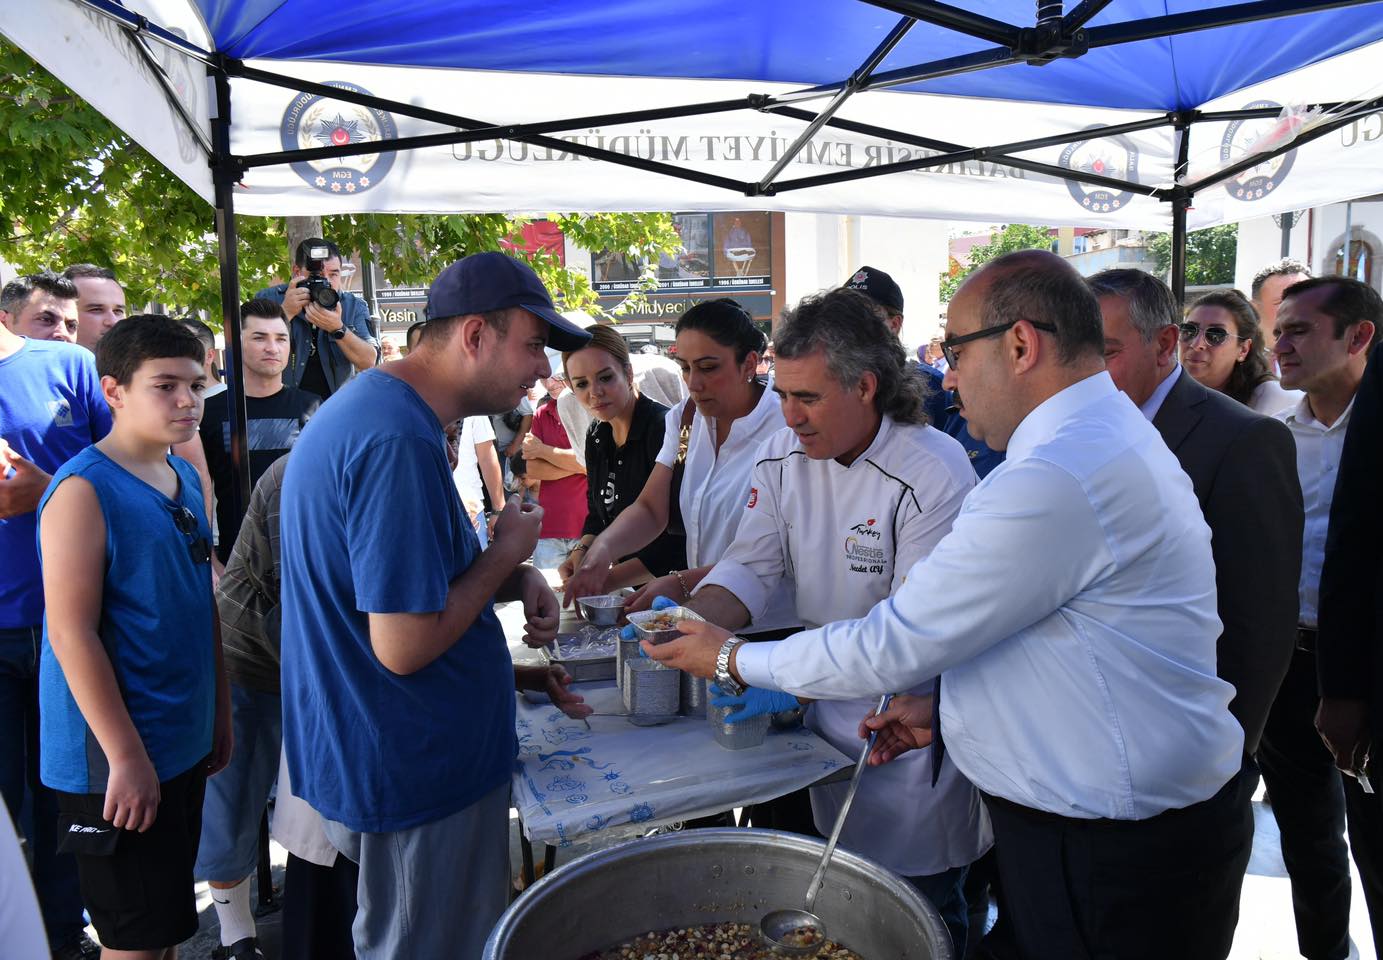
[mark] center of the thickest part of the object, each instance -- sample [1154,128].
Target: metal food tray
[584,669]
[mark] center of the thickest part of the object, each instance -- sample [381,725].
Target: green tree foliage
[76,189]
[1010,238]
[1210,254]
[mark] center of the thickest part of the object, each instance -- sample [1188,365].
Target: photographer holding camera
[329,329]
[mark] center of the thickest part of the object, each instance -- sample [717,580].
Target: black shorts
[141,895]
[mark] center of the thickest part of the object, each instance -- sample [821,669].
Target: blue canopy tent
[1108,113]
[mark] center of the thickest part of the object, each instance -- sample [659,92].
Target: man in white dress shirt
[1324,329]
[1071,615]
[846,499]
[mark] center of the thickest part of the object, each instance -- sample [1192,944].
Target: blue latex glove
[754,702]
[662,603]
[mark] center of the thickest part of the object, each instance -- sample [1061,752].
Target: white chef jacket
[1072,610]
[715,488]
[849,536]
[1318,460]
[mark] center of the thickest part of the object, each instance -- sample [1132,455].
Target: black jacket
[1351,596]
[615,477]
[1244,469]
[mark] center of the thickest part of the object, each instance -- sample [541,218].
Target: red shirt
[563,501]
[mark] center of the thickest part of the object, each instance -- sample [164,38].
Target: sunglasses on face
[1214,336]
[197,547]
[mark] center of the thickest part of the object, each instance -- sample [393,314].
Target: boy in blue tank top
[135,710]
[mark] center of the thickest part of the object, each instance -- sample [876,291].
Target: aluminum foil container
[653,691]
[625,651]
[581,660]
[651,623]
[736,736]
[692,698]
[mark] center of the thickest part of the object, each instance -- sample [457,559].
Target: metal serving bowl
[713,876]
[601,611]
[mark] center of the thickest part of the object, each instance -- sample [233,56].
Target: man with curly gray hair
[856,490]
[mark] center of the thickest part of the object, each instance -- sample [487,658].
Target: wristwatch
[339,333]
[723,678]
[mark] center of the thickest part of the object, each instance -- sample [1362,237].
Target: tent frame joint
[1040,45]
[229,169]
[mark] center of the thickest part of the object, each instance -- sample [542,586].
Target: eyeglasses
[1214,336]
[950,343]
[197,547]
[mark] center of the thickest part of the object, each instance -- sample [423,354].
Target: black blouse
[615,477]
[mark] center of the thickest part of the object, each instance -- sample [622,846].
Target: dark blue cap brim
[563,335]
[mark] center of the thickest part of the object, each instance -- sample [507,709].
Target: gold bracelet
[686,590]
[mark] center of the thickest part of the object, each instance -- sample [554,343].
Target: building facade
[1317,237]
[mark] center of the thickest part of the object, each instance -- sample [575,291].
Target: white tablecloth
[619,780]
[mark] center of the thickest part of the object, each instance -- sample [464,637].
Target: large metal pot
[709,876]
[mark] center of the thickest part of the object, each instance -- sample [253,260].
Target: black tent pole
[1179,205]
[1181,202]
[225,174]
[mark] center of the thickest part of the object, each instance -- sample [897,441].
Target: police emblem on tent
[1115,157]
[312,121]
[1241,138]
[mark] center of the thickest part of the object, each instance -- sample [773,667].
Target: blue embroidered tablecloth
[617,779]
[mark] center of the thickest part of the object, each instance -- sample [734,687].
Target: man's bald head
[1039,286]
[1021,330]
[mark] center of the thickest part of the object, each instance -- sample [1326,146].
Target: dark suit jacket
[1351,597]
[1244,469]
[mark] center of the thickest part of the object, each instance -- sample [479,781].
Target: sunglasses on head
[1214,336]
[197,547]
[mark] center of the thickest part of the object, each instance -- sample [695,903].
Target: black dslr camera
[318,287]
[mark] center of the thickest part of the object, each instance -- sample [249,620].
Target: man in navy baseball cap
[399,647]
[883,290]
[485,282]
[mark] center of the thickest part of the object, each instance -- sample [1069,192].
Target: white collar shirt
[1072,610]
[851,534]
[715,487]
[1318,460]
[1154,403]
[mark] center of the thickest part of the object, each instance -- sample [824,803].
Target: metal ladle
[781,929]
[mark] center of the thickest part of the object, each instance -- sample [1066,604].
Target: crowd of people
[1115,559]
